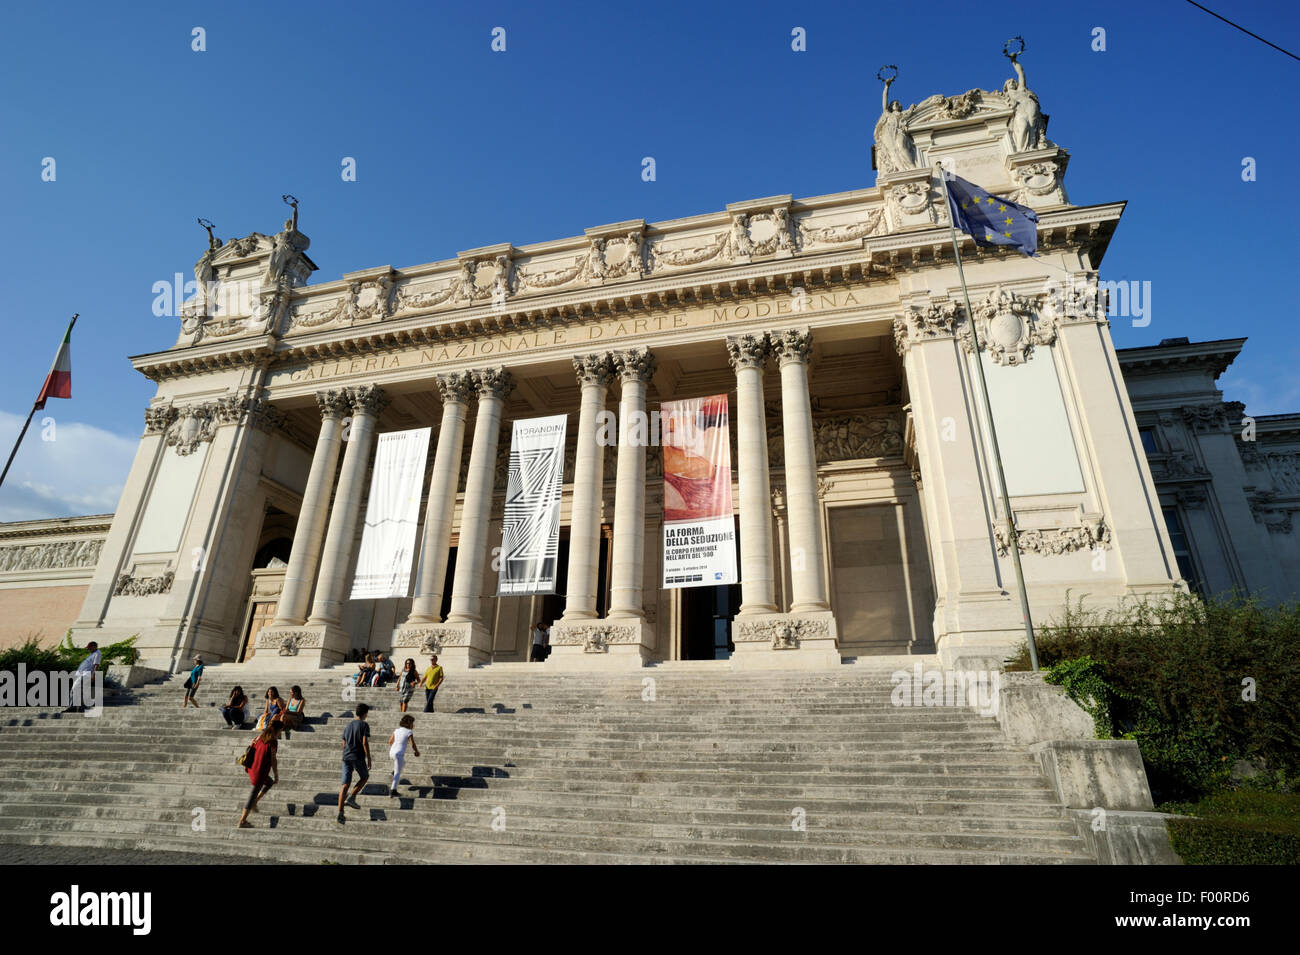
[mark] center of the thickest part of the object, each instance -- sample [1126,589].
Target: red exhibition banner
[699,530]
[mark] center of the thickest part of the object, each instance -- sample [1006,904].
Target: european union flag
[991,220]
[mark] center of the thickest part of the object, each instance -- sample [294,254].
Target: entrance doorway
[706,621]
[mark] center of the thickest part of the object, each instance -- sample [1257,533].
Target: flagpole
[1012,537]
[35,404]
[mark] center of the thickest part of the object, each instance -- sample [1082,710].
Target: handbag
[189,683]
[250,754]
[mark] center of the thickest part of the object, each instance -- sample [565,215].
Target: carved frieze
[430,640]
[128,586]
[872,223]
[1057,540]
[595,637]
[1206,418]
[158,419]
[782,633]
[1077,299]
[50,555]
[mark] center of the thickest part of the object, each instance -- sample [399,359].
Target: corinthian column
[757,581]
[594,375]
[634,368]
[493,385]
[808,575]
[456,390]
[367,402]
[291,611]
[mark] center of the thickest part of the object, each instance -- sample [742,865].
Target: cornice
[57,527]
[719,280]
[1214,355]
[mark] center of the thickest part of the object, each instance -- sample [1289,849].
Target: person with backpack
[192,683]
[263,770]
[397,743]
[356,758]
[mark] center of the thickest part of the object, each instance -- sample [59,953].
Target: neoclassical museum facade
[866,501]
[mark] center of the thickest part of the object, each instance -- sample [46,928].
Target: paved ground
[72,855]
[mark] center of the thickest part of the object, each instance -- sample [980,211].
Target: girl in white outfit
[405,733]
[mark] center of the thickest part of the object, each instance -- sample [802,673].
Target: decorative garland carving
[1058,540]
[128,586]
[839,234]
[784,634]
[595,637]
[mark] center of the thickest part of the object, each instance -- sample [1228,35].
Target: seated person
[385,672]
[294,710]
[234,712]
[366,671]
[274,707]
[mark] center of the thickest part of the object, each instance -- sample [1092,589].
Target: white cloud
[65,469]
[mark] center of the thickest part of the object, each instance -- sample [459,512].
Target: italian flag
[58,383]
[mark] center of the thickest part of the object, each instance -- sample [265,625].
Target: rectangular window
[1182,552]
[1149,440]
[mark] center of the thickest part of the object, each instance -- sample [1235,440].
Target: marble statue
[1028,128]
[894,149]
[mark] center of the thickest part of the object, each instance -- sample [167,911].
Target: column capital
[159,418]
[791,344]
[334,403]
[933,320]
[368,400]
[456,386]
[493,382]
[594,369]
[635,364]
[748,350]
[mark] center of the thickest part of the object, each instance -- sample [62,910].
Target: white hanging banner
[530,531]
[392,513]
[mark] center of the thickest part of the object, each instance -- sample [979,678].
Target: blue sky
[459,147]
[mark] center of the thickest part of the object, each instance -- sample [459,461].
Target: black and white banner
[388,540]
[530,531]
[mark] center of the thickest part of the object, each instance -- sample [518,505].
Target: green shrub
[1238,828]
[1172,675]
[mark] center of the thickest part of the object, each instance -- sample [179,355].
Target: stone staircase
[522,765]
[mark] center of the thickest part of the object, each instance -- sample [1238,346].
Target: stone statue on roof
[894,149]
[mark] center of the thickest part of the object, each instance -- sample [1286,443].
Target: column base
[785,641]
[614,643]
[459,645]
[309,645]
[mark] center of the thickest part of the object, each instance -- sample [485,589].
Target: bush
[1177,676]
[1238,828]
[64,656]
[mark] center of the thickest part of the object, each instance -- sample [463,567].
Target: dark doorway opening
[553,604]
[706,621]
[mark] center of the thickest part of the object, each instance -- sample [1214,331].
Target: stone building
[866,500]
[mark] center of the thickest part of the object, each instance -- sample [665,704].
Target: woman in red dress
[263,772]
